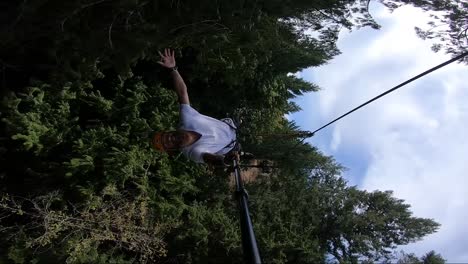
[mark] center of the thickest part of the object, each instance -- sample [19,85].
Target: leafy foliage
[87,234]
[335,218]
[449,24]
[430,257]
[82,94]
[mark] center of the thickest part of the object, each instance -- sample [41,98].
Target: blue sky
[412,141]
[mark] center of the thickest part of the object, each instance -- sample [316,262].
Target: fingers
[167,53]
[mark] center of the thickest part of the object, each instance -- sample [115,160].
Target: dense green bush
[82,93]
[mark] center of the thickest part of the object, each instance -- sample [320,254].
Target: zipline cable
[249,243]
[394,88]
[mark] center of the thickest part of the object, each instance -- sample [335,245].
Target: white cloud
[424,162]
[336,140]
[414,139]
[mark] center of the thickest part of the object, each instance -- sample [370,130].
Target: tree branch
[76,11]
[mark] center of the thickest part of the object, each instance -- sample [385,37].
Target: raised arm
[168,61]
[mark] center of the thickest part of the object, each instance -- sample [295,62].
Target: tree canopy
[82,93]
[448,25]
[430,257]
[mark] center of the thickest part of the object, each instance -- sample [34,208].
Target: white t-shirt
[216,135]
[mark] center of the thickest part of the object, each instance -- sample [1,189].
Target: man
[200,138]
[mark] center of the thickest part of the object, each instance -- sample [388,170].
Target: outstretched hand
[168,59]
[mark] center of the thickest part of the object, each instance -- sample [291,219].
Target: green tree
[430,257]
[317,214]
[449,24]
[83,93]
[109,223]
